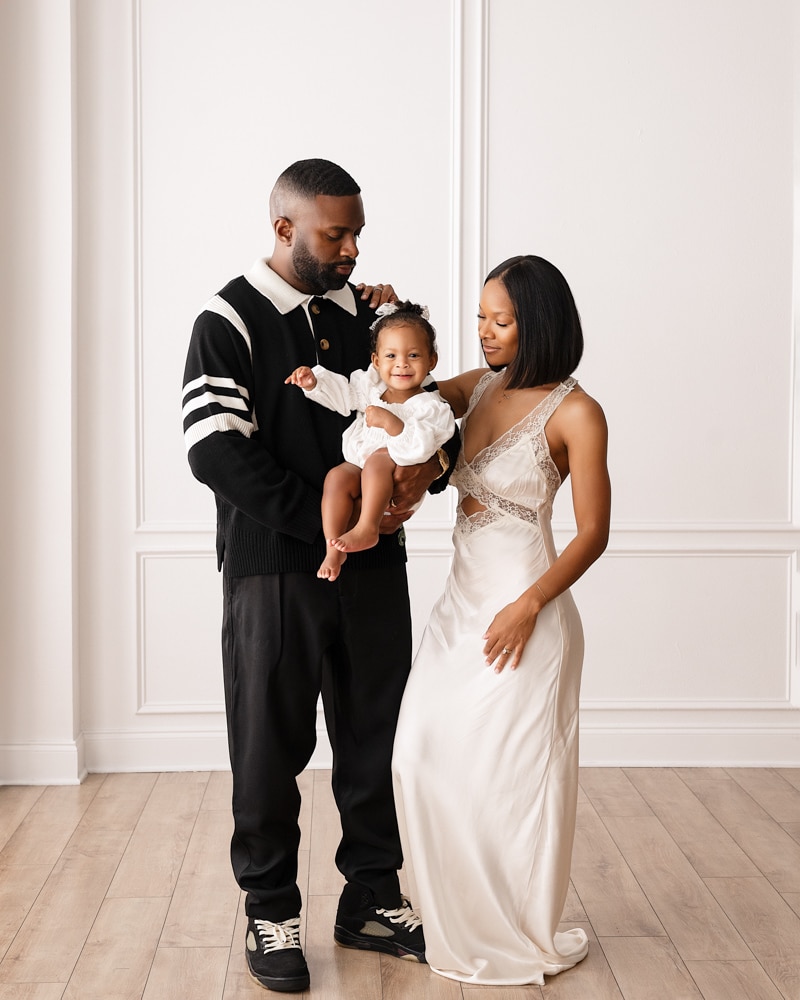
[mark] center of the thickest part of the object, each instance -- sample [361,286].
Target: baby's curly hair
[405,313]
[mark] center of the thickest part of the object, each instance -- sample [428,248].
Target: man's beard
[319,277]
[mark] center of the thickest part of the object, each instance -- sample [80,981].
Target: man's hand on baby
[410,484]
[302,376]
[391,522]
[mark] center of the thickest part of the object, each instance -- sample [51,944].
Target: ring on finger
[506,650]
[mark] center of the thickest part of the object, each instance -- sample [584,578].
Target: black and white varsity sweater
[260,445]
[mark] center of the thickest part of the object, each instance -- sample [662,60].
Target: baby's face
[403,355]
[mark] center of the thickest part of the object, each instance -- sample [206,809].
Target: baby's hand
[302,376]
[379,416]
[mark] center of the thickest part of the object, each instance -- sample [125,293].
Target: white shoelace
[405,915]
[274,937]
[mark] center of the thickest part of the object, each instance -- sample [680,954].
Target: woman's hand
[509,632]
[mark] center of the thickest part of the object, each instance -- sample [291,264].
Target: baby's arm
[302,376]
[429,425]
[379,416]
[328,388]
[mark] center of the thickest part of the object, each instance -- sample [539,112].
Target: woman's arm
[458,390]
[580,428]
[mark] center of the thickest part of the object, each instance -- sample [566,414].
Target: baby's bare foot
[356,540]
[331,564]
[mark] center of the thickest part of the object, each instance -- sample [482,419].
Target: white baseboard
[712,734]
[769,738]
[616,744]
[43,763]
[109,752]
[632,746]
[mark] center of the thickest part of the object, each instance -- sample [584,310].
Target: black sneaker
[274,955]
[360,923]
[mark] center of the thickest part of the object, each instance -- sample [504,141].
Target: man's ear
[284,230]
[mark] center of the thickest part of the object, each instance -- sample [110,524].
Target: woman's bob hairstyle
[550,338]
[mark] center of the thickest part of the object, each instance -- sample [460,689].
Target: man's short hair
[310,178]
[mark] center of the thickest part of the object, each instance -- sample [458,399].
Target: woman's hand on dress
[508,634]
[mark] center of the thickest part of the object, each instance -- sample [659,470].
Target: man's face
[325,241]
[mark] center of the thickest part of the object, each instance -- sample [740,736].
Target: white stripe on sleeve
[219,422]
[216,382]
[207,398]
[218,305]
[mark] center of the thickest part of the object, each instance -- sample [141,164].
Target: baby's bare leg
[342,488]
[376,492]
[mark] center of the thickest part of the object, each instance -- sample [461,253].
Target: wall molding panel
[179,636]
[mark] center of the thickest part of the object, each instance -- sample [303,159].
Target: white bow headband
[392,307]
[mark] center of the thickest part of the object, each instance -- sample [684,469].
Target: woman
[486,752]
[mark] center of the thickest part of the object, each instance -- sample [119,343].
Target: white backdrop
[646,149]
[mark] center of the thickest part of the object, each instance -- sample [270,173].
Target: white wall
[647,149]
[39,666]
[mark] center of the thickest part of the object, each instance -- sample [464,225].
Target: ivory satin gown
[486,765]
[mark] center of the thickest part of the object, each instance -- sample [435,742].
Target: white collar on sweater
[285,297]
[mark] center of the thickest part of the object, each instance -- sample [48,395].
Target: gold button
[315,309]
[324,345]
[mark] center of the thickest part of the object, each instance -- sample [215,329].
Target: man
[264,450]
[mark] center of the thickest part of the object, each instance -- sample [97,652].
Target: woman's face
[497,325]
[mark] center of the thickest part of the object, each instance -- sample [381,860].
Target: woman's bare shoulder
[579,400]
[579,410]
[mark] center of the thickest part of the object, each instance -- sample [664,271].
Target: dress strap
[478,391]
[550,403]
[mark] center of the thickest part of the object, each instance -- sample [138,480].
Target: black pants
[285,638]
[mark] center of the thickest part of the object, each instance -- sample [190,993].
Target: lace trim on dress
[467,523]
[467,475]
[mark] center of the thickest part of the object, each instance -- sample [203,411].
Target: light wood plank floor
[686,880]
